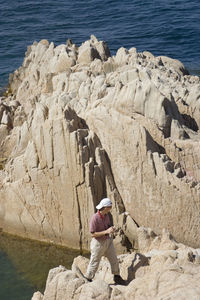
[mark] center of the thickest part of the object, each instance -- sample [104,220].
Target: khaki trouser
[99,249]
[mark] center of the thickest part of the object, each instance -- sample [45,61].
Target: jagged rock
[3,132]
[163,269]
[121,57]
[6,119]
[90,125]
[37,296]
[82,157]
[174,63]
[93,49]
[97,289]
[61,284]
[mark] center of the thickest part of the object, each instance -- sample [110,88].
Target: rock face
[164,269]
[80,125]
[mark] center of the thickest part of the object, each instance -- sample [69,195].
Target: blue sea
[163,27]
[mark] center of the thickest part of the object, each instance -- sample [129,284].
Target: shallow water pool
[24,265]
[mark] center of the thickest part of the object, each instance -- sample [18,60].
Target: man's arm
[102,233]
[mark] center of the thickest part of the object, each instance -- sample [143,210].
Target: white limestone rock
[37,296]
[86,125]
[93,49]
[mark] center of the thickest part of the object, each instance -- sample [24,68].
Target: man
[102,242]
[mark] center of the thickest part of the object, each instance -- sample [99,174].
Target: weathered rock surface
[164,269]
[80,125]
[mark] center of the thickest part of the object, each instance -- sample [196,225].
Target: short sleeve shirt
[100,223]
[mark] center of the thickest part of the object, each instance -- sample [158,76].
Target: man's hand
[102,233]
[110,230]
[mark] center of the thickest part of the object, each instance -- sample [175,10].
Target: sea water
[24,265]
[163,27]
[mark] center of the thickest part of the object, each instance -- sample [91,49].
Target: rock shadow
[138,262]
[152,145]
[190,122]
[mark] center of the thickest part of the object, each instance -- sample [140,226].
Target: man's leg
[97,250]
[112,257]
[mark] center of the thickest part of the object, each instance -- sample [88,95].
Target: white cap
[105,202]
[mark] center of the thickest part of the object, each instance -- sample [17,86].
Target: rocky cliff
[78,124]
[163,269]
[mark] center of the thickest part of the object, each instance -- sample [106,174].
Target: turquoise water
[163,27]
[12,282]
[24,265]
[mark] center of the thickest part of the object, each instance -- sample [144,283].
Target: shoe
[119,280]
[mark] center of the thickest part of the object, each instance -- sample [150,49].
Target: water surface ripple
[170,28]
